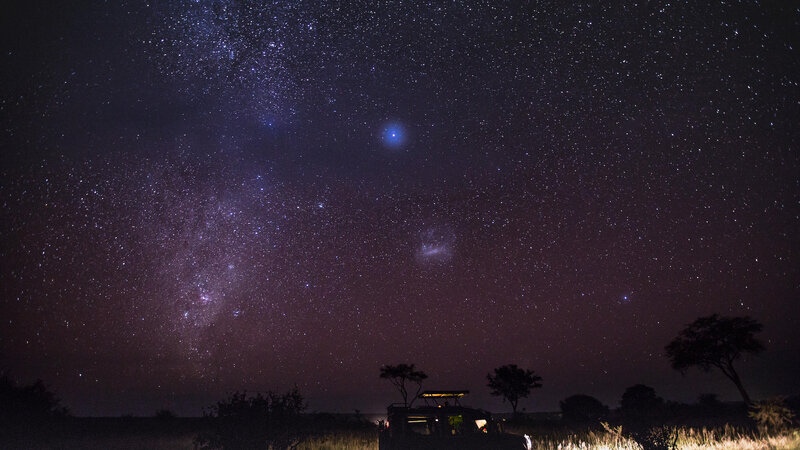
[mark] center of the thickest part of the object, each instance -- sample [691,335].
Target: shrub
[771,414]
[28,403]
[165,414]
[710,401]
[640,402]
[270,421]
[582,408]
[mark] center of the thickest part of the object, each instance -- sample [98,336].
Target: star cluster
[199,197]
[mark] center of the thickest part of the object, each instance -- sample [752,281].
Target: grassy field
[689,439]
[685,438]
[357,440]
[360,441]
[179,434]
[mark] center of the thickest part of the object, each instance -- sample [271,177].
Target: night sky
[207,196]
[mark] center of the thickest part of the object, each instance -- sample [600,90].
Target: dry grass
[731,439]
[726,438]
[346,440]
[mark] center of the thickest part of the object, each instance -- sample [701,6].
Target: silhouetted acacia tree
[513,383]
[26,403]
[270,421]
[716,341]
[581,408]
[402,374]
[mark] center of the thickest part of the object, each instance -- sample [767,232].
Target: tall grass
[543,438]
[723,438]
[343,440]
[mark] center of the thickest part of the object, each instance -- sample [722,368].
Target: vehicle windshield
[452,424]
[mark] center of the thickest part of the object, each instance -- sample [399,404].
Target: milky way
[199,197]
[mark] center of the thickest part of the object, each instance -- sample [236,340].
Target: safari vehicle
[440,425]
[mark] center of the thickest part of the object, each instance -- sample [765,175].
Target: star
[268,183]
[394,135]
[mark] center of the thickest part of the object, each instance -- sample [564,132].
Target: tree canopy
[513,383]
[716,342]
[402,374]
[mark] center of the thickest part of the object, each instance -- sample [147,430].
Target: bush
[660,438]
[24,404]
[165,414]
[772,414]
[270,421]
[640,402]
[709,401]
[582,408]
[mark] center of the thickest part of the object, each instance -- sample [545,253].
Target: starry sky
[207,196]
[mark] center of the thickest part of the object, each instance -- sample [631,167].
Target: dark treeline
[279,420]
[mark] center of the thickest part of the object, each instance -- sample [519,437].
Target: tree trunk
[404,393]
[416,395]
[738,382]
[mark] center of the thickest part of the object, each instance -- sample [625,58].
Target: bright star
[393,135]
